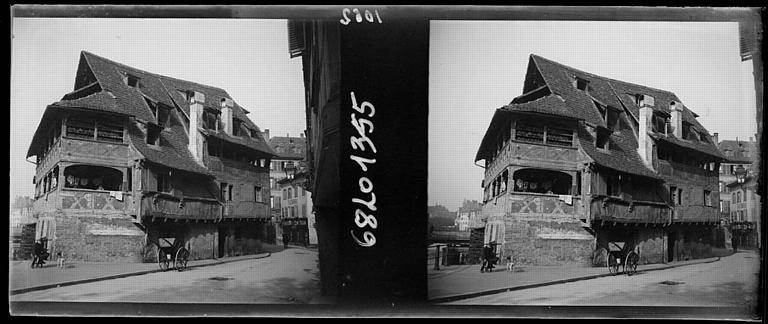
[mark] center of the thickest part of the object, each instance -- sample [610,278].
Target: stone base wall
[96,238]
[547,243]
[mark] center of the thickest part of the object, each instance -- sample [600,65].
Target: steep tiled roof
[284,146]
[567,101]
[115,96]
[739,148]
[172,151]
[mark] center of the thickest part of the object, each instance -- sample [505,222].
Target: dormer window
[660,123]
[153,134]
[132,80]
[601,141]
[237,127]
[581,84]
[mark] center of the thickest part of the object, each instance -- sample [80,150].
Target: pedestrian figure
[39,254]
[60,259]
[733,242]
[285,240]
[489,258]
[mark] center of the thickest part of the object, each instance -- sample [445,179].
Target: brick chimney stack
[266,134]
[226,115]
[676,110]
[644,141]
[715,136]
[195,145]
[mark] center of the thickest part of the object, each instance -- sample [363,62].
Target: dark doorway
[222,241]
[671,240]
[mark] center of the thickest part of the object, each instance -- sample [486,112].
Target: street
[732,281]
[287,277]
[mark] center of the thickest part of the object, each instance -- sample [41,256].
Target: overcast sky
[247,58]
[478,66]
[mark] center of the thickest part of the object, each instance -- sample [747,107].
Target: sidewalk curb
[548,283]
[124,275]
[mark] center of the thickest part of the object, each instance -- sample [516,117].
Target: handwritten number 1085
[358,17]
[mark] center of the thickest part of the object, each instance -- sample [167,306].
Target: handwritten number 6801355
[358,16]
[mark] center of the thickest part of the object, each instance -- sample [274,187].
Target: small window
[529,133]
[707,198]
[612,119]
[673,198]
[601,141]
[559,136]
[132,80]
[257,193]
[109,133]
[224,190]
[304,211]
[81,128]
[163,182]
[581,84]
[213,148]
[153,134]
[229,192]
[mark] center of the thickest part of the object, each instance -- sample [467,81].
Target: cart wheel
[613,264]
[181,259]
[630,265]
[162,260]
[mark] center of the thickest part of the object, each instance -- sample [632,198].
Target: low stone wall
[96,238]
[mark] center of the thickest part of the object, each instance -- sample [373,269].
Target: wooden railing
[163,205]
[612,209]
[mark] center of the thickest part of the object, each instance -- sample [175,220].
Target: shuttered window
[530,133]
[295,38]
[559,136]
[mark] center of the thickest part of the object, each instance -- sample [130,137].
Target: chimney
[226,115]
[750,139]
[644,141]
[196,102]
[715,136]
[301,135]
[266,134]
[676,110]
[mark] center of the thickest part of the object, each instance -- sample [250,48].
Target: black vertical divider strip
[385,64]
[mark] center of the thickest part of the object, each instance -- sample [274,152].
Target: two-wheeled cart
[172,252]
[624,255]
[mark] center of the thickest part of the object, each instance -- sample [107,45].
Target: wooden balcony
[614,209]
[164,205]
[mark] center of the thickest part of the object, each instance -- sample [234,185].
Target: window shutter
[296,41]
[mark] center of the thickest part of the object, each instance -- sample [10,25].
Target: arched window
[93,177]
[542,181]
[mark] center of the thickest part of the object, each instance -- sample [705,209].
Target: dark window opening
[663,153]
[163,181]
[229,192]
[210,120]
[129,179]
[542,181]
[214,148]
[529,133]
[224,190]
[163,117]
[612,185]
[707,198]
[93,177]
[257,193]
[581,84]
[236,127]
[132,80]
[612,120]
[601,141]
[659,124]
[153,134]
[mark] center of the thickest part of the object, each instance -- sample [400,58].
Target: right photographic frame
[596,163]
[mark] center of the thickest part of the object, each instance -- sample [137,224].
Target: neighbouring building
[468,215]
[22,228]
[297,217]
[745,219]
[579,160]
[290,157]
[131,156]
[738,154]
